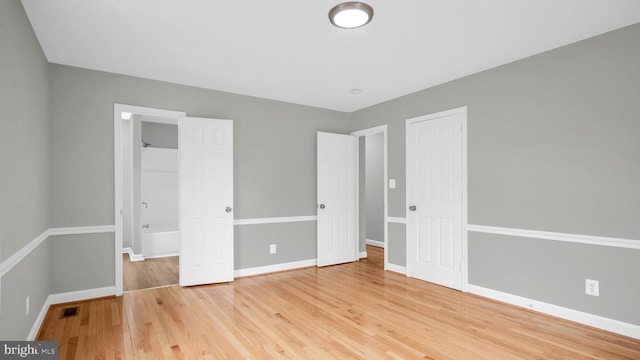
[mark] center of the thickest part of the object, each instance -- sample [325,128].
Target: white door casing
[336,195]
[206,200]
[435,199]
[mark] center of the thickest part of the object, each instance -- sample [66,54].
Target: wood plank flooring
[149,273]
[351,311]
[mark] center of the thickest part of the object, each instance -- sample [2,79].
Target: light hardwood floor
[351,311]
[149,273]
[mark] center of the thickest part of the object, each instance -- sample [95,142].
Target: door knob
[413,208]
[321,206]
[227,209]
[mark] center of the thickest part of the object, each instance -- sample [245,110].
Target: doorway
[372,193]
[205,181]
[151,233]
[147,239]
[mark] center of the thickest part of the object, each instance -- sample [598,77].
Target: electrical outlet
[592,287]
[27,305]
[272,249]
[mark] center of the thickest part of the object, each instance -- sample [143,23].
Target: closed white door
[206,201]
[336,208]
[434,198]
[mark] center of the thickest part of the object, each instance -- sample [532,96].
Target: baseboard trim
[260,270]
[132,256]
[37,323]
[159,256]
[375,243]
[274,220]
[548,235]
[362,255]
[136,257]
[584,318]
[65,298]
[396,268]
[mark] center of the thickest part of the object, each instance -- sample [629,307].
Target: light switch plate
[392,183]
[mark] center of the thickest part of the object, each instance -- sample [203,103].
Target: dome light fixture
[351,15]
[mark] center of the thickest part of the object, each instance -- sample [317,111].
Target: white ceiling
[287,50]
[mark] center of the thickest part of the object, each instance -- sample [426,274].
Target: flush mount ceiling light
[351,15]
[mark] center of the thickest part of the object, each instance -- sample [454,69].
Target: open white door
[435,198]
[206,201]
[337,169]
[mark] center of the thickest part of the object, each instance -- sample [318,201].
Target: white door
[434,198]
[337,166]
[206,201]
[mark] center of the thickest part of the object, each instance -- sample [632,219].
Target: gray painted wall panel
[24,142]
[549,137]
[80,262]
[30,277]
[374,186]
[397,250]
[552,145]
[554,272]
[24,165]
[295,241]
[274,143]
[160,135]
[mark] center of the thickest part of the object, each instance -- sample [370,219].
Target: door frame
[118,110]
[463,112]
[382,129]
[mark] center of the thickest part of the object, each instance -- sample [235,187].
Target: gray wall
[274,160]
[552,145]
[160,135]
[374,148]
[24,164]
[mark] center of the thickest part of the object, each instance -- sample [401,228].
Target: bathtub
[160,243]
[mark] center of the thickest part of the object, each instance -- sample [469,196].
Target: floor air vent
[69,312]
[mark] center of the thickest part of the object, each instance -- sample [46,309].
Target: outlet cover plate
[592,287]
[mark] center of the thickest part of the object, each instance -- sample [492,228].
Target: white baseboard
[363,254]
[159,256]
[274,220]
[396,268]
[136,257]
[596,321]
[65,298]
[37,323]
[132,256]
[274,268]
[375,243]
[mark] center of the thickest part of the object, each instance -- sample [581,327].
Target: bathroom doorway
[148,233]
